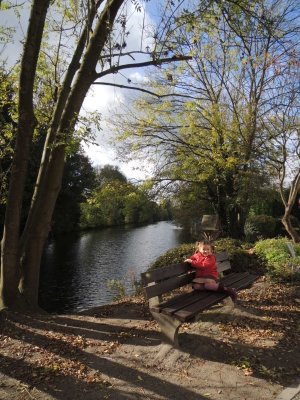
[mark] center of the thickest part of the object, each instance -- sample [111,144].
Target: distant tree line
[115,201]
[92,197]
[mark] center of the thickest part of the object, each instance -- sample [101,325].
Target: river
[75,270]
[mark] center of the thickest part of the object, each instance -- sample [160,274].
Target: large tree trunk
[286,219]
[10,250]
[34,236]
[51,172]
[236,222]
[32,253]
[232,217]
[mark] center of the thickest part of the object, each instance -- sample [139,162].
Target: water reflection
[75,271]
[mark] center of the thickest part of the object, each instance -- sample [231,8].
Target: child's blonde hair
[205,242]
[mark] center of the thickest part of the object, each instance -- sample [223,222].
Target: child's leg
[198,286]
[230,291]
[220,288]
[211,286]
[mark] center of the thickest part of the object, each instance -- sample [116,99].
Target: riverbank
[75,272]
[115,352]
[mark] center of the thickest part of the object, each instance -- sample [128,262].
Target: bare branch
[156,63]
[143,90]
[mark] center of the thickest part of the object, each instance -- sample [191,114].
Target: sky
[100,98]
[106,98]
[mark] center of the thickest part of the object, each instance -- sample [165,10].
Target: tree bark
[52,131]
[286,219]
[51,175]
[21,255]
[10,251]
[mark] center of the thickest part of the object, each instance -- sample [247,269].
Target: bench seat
[184,307]
[187,306]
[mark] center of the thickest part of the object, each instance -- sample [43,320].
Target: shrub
[274,254]
[259,227]
[128,285]
[241,255]
[241,258]
[174,256]
[269,256]
[118,287]
[228,244]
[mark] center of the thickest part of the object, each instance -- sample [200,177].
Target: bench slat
[245,282]
[171,306]
[195,296]
[188,313]
[168,285]
[164,272]
[233,277]
[238,281]
[223,266]
[222,256]
[173,300]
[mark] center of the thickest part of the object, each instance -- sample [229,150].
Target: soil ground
[115,352]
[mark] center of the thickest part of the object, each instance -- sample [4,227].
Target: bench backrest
[162,280]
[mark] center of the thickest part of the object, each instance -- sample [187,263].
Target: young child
[206,270]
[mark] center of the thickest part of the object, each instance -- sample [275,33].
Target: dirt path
[115,352]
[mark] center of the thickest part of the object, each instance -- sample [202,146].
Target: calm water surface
[75,271]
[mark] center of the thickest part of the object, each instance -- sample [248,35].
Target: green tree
[207,125]
[109,173]
[79,179]
[7,128]
[116,202]
[85,35]
[190,205]
[140,209]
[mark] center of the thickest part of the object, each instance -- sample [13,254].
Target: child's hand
[188,260]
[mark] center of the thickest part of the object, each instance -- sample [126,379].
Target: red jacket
[206,266]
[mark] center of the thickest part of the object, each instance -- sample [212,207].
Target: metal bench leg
[169,327]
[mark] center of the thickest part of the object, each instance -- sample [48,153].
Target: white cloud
[137,77]
[106,98]
[101,155]
[100,98]
[134,170]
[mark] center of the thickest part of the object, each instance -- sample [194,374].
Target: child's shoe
[232,293]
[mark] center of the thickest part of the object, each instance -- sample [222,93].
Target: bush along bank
[268,257]
[274,254]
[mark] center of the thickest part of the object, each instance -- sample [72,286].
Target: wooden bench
[184,307]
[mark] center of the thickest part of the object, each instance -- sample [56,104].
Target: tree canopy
[68,47]
[214,121]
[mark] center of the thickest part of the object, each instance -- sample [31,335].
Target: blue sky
[100,98]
